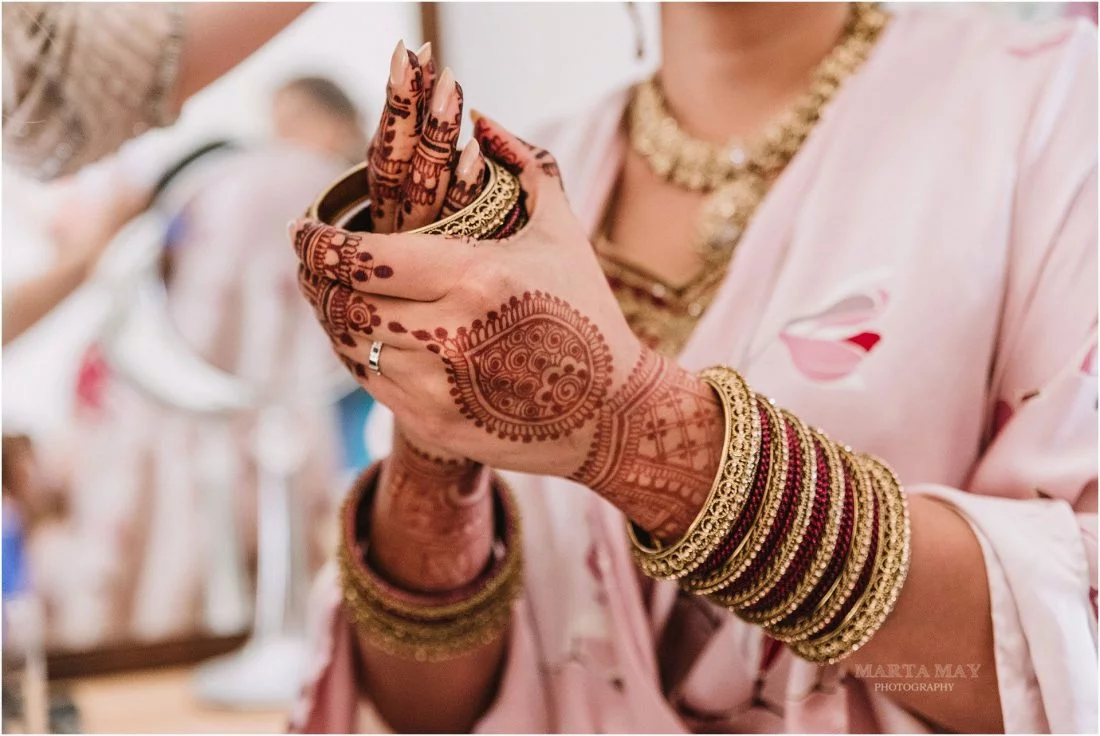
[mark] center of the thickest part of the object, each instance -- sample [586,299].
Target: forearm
[218,36]
[658,452]
[943,617]
[657,446]
[431,532]
[26,304]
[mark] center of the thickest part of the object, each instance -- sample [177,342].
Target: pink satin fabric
[921,283]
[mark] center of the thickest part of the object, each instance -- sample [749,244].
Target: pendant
[725,214]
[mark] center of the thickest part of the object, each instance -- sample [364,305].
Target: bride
[875,511]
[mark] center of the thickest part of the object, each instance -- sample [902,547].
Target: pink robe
[921,283]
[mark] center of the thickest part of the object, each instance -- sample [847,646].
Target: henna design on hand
[429,73]
[460,195]
[337,255]
[394,145]
[432,525]
[512,152]
[469,180]
[435,156]
[343,312]
[536,370]
[657,446]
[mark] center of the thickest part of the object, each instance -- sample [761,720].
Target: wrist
[431,525]
[657,447]
[428,626]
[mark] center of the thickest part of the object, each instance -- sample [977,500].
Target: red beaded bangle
[811,541]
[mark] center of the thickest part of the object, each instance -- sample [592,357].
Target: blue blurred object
[13,551]
[352,412]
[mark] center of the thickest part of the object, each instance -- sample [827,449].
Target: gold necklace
[736,178]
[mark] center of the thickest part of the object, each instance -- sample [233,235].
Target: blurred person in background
[886,221]
[315,113]
[130,560]
[80,79]
[81,234]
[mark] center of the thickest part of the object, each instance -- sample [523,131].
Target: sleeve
[81,79]
[1032,497]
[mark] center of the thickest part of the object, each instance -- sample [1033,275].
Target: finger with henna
[390,157]
[426,185]
[468,180]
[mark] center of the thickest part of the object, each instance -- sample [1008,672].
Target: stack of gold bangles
[429,627]
[799,535]
[500,210]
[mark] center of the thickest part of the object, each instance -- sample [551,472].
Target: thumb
[513,153]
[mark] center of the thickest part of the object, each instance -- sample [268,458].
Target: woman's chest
[883,338]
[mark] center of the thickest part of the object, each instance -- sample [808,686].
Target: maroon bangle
[785,517]
[840,554]
[864,577]
[811,542]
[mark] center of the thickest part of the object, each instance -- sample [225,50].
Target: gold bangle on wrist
[887,579]
[345,203]
[727,495]
[430,627]
[826,546]
[731,570]
[788,547]
[842,588]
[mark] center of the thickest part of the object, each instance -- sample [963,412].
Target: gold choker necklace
[736,178]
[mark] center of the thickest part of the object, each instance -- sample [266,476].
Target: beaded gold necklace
[736,177]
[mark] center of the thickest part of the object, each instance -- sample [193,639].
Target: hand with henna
[431,525]
[514,353]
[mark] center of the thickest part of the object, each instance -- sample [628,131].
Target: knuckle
[487,282]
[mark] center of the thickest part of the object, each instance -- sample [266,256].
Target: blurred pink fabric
[138,557]
[926,265]
[1082,10]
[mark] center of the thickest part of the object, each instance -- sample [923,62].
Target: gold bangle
[430,627]
[728,493]
[887,580]
[504,568]
[734,566]
[784,555]
[346,200]
[436,642]
[833,601]
[826,548]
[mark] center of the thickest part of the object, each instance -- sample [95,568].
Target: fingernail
[467,162]
[291,228]
[475,115]
[444,91]
[424,53]
[399,64]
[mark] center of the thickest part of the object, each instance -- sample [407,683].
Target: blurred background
[168,499]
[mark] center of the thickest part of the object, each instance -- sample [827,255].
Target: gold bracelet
[435,642]
[507,563]
[788,548]
[430,627]
[735,565]
[826,547]
[345,202]
[833,601]
[727,495]
[887,580]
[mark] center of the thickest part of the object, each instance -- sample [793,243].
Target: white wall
[523,63]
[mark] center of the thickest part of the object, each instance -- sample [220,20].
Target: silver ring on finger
[373,357]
